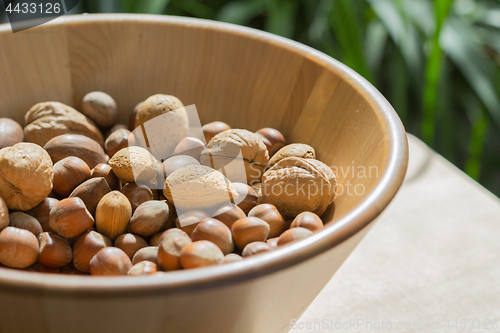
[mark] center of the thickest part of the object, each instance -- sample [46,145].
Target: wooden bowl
[247,78]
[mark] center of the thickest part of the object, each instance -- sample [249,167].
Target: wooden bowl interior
[244,80]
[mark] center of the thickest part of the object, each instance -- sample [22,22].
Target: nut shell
[149,218]
[101,108]
[18,248]
[145,267]
[149,253]
[212,129]
[237,145]
[293,150]
[105,171]
[10,132]
[216,232]
[24,221]
[86,246]
[292,235]
[201,254]
[189,146]
[255,248]
[248,230]
[133,164]
[247,197]
[26,175]
[91,192]
[110,261]
[113,214]
[169,126]
[130,244]
[272,138]
[4,214]
[68,174]
[176,162]
[198,187]
[54,250]
[295,185]
[42,212]
[171,245]
[70,218]
[231,257]
[67,145]
[47,120]
[117,140]
[272,216]
[307,220]
[137,194]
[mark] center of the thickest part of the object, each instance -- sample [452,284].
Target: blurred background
[436,61]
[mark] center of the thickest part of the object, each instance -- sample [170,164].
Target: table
[431,263]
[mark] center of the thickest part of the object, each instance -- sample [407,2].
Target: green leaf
[281,17]
[347,28]
[241,12]
[375,46]
[432,72]
[152,6]
[464,49]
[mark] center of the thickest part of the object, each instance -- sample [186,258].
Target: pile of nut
[80,195]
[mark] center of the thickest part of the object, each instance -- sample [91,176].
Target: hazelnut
[198,187]
[130,244]
[18,248]
[272,138]
[293,150]
[189,146]
[83,147]
[237,145]
[133,115]
[171,244]
[308,220]
[149,253]
[255,248]
[42,212]
[175,162]
[137,194]
[216,232]
[24,221]
[149,218]
[86,246]
[47,120]
[10,132]
[101,108]
[114,128]
[273,243]
[37,267]
[70,218]
[295,185]
[201,254]
[143,268]
[113,214]
[228,214]
[155,240]
[117,140]
[188,221]
[133,163]
[26,174]
[91,192]
[248,230]
[169,126]
[247,196]
[110,261]
[105,171]
[212,129]
[68,174]
[231,257]
[270,214]
[4,214]
[54,250]
[292,235]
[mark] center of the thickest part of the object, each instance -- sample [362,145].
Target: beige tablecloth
[431,263]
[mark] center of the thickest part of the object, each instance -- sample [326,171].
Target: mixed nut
[75,201]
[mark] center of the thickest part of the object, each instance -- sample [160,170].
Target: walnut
[198,187]
[295,149]
[295,185]
[45,121]
[26,174]
[228,148]
[169,127]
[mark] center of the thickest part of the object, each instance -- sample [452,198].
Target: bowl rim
[350,224]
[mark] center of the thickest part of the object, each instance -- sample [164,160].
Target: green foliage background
[436,61]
